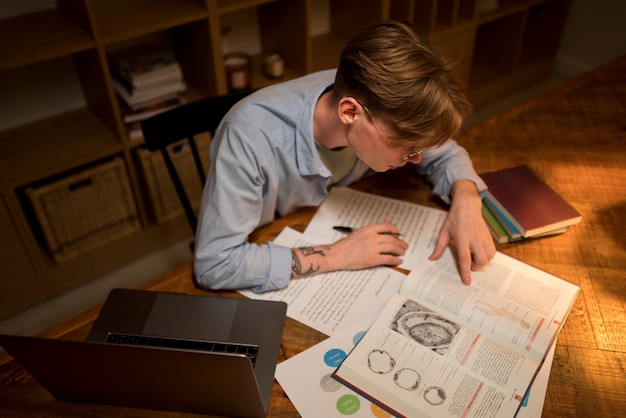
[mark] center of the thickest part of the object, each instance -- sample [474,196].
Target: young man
[392,101]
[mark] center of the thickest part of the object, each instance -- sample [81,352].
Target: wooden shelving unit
[501,51]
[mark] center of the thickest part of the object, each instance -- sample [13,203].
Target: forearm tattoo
[297,268]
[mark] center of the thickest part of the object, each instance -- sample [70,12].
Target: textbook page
[328,301]
[419,225]
[306,379]
[510,301]
[439,349]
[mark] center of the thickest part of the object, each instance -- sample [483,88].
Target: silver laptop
[169,351]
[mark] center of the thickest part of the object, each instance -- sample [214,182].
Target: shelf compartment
[278,27]
[344,22]
[85,210]
[163,199]
[496,47]
[195,53]
[497,84]
[121,20]
[19,286]
[44,148]
[286,35]
[543,31]
[230,6]
[496,52]
[460,42]
[259,79]
[327,49]
[54,36]
[422,14]
[505,8]
[434,16]
[446,14]
[451,13]
[349,16]
[193,56]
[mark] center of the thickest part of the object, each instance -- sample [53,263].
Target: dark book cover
[144,65]
[534,205]
[141,113]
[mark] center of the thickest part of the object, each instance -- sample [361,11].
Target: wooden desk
[574,137]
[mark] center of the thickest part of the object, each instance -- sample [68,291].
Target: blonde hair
[392,69]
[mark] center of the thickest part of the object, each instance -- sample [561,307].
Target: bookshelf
[68,44]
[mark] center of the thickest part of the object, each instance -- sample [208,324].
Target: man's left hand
[465,225]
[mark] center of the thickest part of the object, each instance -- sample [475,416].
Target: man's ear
[347,108]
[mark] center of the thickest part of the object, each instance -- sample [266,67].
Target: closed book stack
[148,80]
[518,205]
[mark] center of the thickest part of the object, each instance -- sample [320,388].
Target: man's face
[368,137]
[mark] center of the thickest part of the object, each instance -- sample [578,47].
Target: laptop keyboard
[214,347]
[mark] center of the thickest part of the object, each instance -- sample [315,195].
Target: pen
[347,230]
[344,229]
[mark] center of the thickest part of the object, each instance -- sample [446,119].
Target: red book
[529,202]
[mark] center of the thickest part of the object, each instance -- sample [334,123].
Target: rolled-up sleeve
[444,165]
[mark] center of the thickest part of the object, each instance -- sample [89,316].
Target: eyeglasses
[411,154]
[404,157]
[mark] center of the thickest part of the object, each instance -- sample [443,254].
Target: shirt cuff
[279,269]
[444,185]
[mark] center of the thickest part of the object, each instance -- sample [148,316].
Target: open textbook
[306,379]
[443,349]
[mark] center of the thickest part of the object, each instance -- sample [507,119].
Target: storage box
[85,210]
[162,195]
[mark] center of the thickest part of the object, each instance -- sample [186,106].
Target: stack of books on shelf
[147,81]
[519,205]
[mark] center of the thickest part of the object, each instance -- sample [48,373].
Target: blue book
[508,224]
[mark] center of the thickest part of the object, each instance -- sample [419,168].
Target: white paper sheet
[306,379]
[533,404]
[327,302]
[418,224]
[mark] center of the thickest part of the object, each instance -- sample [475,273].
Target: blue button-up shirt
[264,165]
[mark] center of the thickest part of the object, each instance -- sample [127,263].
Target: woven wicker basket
[164,200]
[85,210]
